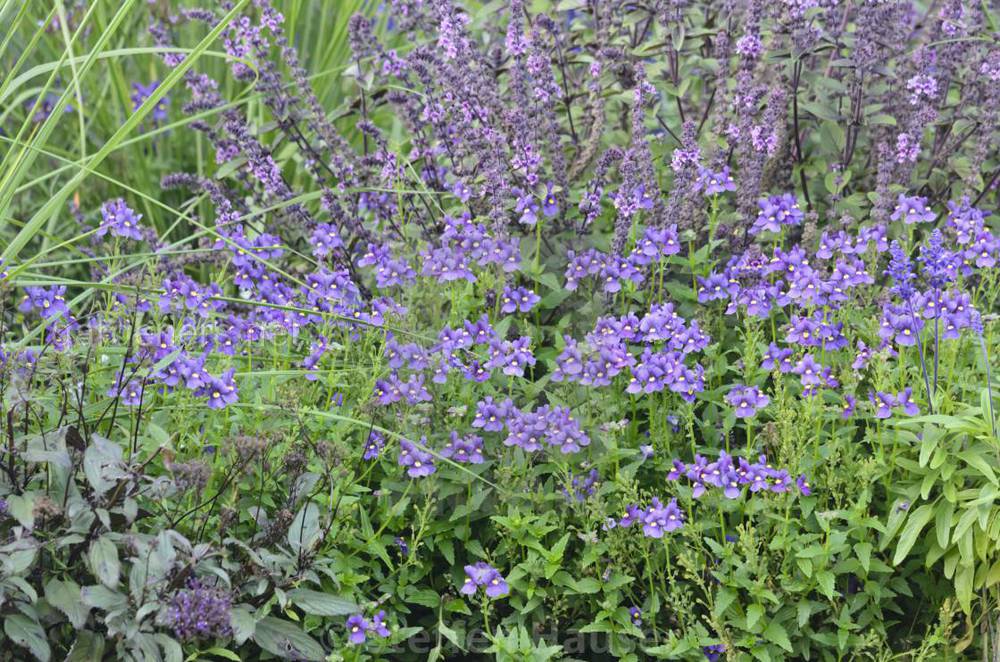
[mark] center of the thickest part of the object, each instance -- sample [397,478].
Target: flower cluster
[656,519]
[200,612]
[359,627]
[483,575]
[732,474]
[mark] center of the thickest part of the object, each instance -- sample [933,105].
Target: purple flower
[747,400]
[48,301]
[803,485]
[635,615]
[713,183]
[904,399]
[221,392]
[142,92]
[378,624]
[376,442]
[482,574]
[656,519]
[418,462]
[776,211]
[550,204]
[883,403]
[200,612]
[465,450]
[849,403]
[777,357]
[325,238]
[357,629]
[491,416]
[912,210]
[120,220]
[939,264]
[518,299]
[130,393]
[714,652]
[809,371]
[715,286]
[580,489]
[527,207]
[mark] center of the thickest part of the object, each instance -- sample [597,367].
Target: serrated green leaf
[28,633]
[104,563]
[776,634]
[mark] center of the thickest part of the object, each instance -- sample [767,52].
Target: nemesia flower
[714,652]
[849,404]
[746,400]
[465,450]
[550,204]
[883,403]
[912,210]
[655,519]
[357,629]
[713,183]
[482,574]
[775,212]
[418,463]
[142,92]
[635,615]
[376,442]
[120,220]
[518,299]
[904,399]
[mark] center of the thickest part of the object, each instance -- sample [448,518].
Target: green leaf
[223,652]
[724,598]
[427,597]
[942,522]
[804,612]
[754,613]
[101,597]
[65,596]
[864,552]
[88,647]
[242,621]
[103,557]
[963,586]
[287,640]
[977,461]
[914,525]
[826,579]
[927,446]
[776,634]
[304,530]
[27,632]
[321,604]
